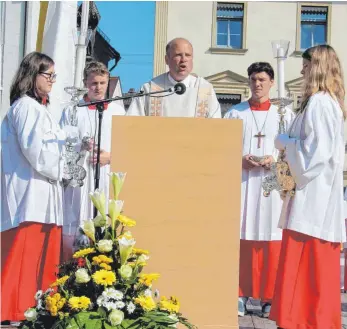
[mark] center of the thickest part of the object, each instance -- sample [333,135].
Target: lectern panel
[183,189]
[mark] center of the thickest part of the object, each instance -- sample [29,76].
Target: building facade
[228,36]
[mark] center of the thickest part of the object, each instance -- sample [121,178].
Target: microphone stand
[100,109]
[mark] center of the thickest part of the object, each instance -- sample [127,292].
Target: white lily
[114,209]
[88,228]
[98,198]
[125,248]
[117,180]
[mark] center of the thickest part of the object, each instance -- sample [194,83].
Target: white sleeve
[231,114]
[307,157]
[41,145]
[137,105]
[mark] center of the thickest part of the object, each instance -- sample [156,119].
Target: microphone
[180,88]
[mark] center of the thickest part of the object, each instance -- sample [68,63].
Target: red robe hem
[307,290]
[258,268]
[29,257]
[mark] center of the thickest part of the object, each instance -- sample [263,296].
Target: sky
[130,26]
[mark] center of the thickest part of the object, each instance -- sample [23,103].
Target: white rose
[30,314]
[104,245]
[116,317]
[82,276]
[125,271]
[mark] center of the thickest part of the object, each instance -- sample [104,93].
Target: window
[230,25]
[226,101]
[314,26]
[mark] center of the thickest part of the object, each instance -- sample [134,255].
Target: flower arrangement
[104,286]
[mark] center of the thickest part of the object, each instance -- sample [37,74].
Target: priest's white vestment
[199,99]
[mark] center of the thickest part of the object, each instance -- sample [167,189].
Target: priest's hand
[266,163]
[105,158]
[248,163]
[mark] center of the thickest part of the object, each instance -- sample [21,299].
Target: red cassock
[307,290]
[30,255]
[258,268]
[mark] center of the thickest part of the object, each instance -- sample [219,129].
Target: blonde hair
[95,67]
[325,75]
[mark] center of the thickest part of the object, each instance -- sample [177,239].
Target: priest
[77,205]
[260,237]
[198,98]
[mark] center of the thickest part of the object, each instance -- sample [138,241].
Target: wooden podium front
[183,188]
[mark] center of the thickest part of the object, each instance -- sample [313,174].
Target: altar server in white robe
[199,98]
[260,236]
[32,153]
[77,204]
[307,291]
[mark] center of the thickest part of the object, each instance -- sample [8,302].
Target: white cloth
[77,204]
[199,99]
[315,154]
[58,43]
[32,165]
[259,214]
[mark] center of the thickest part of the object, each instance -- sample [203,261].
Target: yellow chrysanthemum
[172,305]
[50,302]
[147,279]
[146,302]
[103,277]
[137,251]
[54,311]
[105,266]
[83,252]
[79,303]
[97,260]
[61,303]
[126,221]
[57,296]
[60,282]
[105,259]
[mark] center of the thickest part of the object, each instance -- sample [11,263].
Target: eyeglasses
[50,76]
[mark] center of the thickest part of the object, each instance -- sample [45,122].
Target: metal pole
[280,70]
[2,43]
[81,45]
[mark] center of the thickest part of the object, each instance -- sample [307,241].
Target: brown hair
[95,67]
[24,82]
[325,75]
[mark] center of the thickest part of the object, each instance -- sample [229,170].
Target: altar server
[260,242]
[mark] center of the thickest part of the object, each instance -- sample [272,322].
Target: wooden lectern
[183,188]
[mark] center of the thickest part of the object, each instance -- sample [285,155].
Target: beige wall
[266,21]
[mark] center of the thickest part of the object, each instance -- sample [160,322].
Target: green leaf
[71,323]
[108,326]
[102,312]
[93,324]
[127,323]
